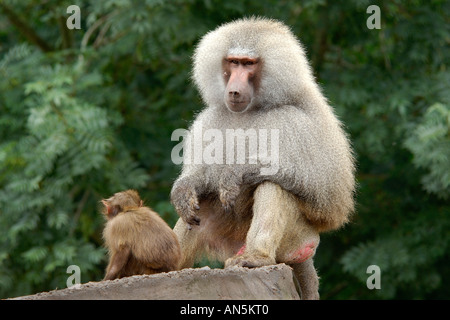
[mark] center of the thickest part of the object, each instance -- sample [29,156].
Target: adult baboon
[254,77]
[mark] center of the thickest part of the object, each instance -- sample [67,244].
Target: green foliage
[86,113]
[406,257]
[430,144]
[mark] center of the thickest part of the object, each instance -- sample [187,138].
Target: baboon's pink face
[241,76]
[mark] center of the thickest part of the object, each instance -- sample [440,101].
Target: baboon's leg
[117,263]
[189,243]
[209,238]
[270,219]
[280,234]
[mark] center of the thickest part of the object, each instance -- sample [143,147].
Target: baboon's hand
[185,200]
[229,188]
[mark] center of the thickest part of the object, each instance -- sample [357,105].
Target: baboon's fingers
[194,220]
[188,215]
[227,201]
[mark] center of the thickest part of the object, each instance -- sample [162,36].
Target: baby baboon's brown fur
[139,241]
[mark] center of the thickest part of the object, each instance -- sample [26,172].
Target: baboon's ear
[105,203]
[110,210]
[113,210]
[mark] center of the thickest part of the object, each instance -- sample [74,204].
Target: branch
[102,21]
[26,30]
[67,39]
[101,34]
[387,61]
[80,208]
[95,26]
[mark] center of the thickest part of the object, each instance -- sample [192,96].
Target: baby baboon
[254,77]
[139,241]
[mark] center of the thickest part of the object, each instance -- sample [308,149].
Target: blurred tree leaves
[430,144]
[85,113]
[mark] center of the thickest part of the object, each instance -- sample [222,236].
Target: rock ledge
[265,283]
